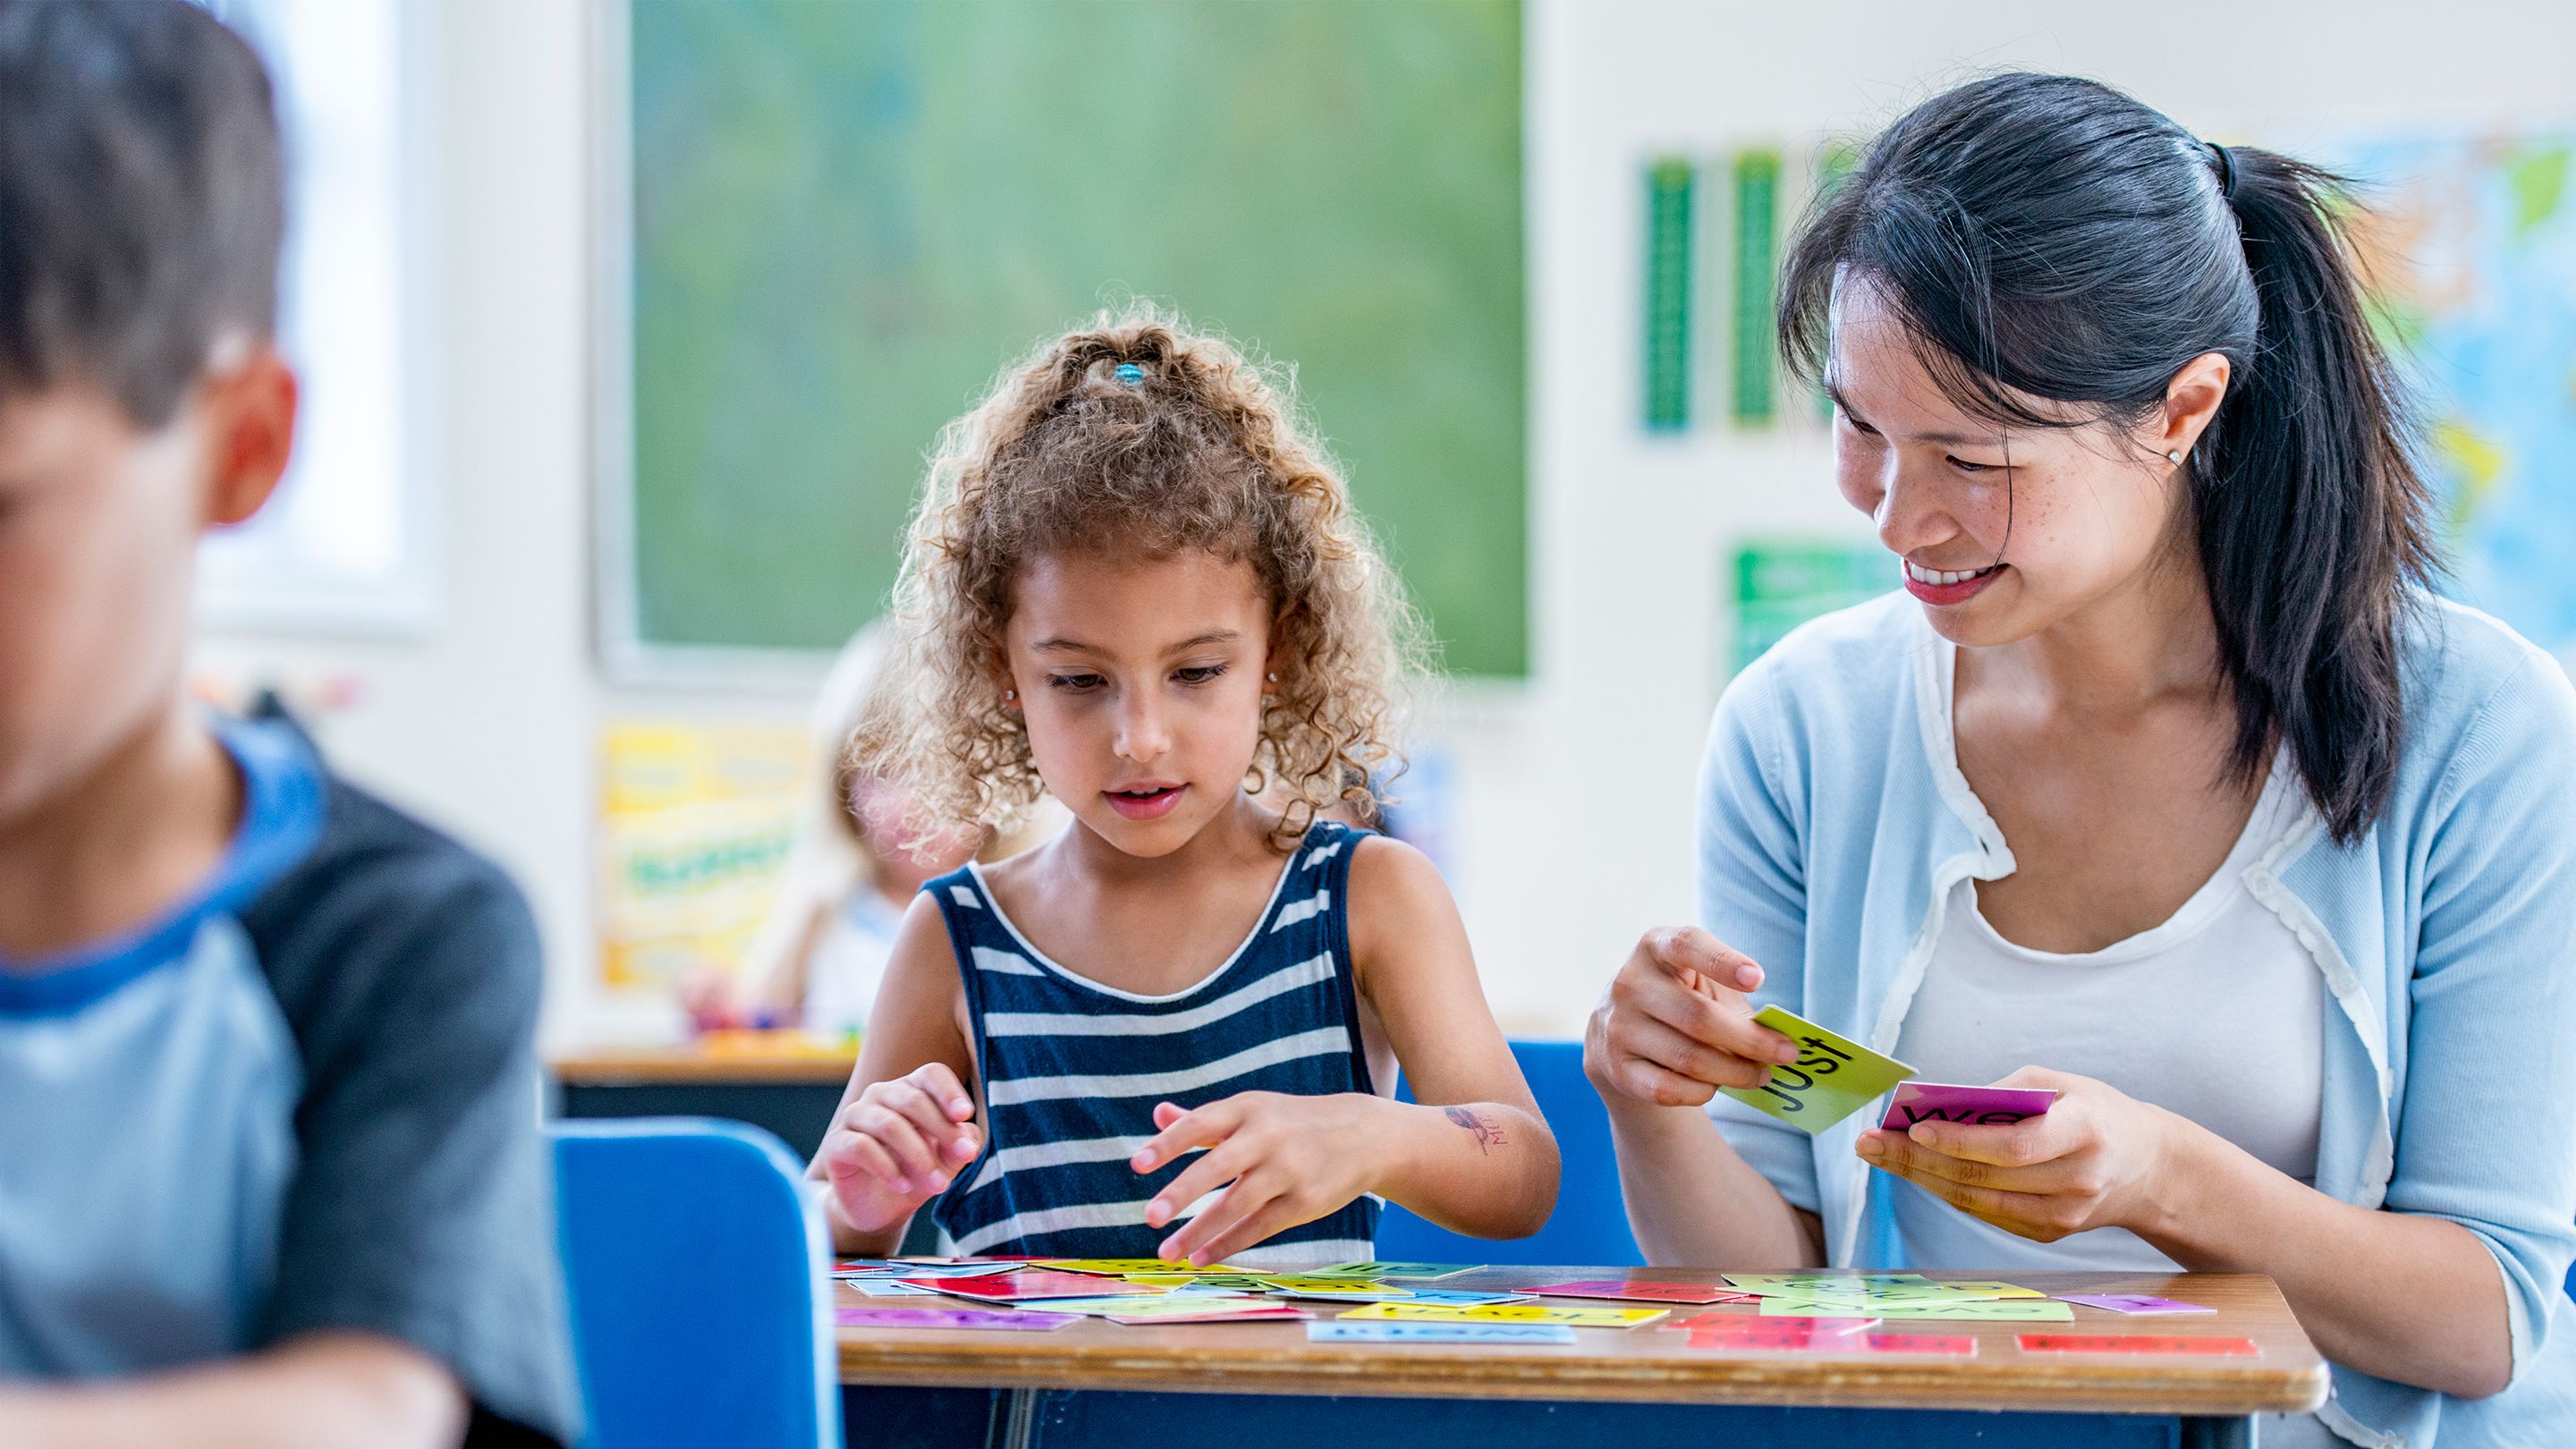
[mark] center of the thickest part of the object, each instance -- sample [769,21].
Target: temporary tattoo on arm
[1489,1133]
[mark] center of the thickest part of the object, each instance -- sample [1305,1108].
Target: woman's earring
[1010,696]
[2174,456]
[1273,678]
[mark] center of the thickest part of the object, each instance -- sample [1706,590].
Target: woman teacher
[2168,783]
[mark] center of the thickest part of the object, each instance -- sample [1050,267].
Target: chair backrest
[1590,1224]
[695,1264]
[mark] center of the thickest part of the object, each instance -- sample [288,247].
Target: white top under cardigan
[2216,1014]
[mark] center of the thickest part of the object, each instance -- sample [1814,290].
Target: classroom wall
[1572,805]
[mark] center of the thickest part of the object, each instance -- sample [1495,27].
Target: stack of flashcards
[1893,1297]
[1832,1078]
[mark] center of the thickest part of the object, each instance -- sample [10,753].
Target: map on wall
[2473,252]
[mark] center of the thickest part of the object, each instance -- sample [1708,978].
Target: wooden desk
[790,1091]
[1099,1384]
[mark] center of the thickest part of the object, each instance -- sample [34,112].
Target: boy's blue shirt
[1830,834]
[303,1099]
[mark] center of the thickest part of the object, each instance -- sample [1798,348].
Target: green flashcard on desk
[1833,1077]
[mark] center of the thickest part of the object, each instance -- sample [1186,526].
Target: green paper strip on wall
[1668,263]
[1835,162]
[1757,213]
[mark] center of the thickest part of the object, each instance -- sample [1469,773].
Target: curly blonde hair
[1141,434]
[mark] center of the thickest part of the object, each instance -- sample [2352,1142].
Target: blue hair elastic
[1130,374]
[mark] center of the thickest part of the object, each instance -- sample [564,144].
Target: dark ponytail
[2050,238]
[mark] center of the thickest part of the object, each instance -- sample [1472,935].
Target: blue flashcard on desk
[1342,1330]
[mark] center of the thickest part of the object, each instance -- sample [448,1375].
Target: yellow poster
[695,823]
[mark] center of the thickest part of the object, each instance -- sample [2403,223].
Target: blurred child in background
[818,959]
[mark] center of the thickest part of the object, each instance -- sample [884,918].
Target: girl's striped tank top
[1072,1069]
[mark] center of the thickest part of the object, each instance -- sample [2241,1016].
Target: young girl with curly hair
[1137,585]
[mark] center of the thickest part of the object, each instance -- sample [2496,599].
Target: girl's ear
[999,668]
[1275,655]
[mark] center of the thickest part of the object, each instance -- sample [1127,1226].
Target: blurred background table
[787,1082]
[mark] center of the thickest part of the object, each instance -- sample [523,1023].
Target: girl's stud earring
[2174,456]
[1010,695]
[1273,678]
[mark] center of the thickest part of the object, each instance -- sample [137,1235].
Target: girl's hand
[710,998]
[1674,1026]
[2092,1160]
[897,1144]
[1290,1159]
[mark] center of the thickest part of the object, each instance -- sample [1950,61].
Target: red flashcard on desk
[1723,1322]
[2136,1343]
[1780,1335]
[1945,1345]
[1645,1292]
[1010,1287]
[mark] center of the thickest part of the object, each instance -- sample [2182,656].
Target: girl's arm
[1471,1153]
[780,992]
[909,1120]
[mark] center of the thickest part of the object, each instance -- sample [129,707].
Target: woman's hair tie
[1129,375]
[2226,163]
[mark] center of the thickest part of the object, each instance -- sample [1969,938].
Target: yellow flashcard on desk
[2019,1310]
[1819,1282]
[1873,1294]
[1511,1313]
[1126,1267]
[1332,1285]
[1961,1292]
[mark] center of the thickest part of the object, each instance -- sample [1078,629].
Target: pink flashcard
[1777,1339]
[2136,1343]
[1005,1287]
[1979,1106]
[2132,1303]
[1644,1292]
[1216,1313]
[950,1318]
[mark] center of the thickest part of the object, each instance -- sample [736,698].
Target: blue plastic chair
[1590,1224]
[696,1269]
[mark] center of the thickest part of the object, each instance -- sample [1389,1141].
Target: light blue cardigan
[1830,836]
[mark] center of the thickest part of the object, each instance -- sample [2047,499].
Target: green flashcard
[2015,1310]
[1833,1077]
[1389,1270]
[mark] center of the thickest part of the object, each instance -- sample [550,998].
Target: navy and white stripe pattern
[1072,1069]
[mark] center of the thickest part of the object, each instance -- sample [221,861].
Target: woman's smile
[1941,587]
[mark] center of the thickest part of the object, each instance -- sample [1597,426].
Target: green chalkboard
[847,216]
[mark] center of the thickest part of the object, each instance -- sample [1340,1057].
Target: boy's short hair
[142,201]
